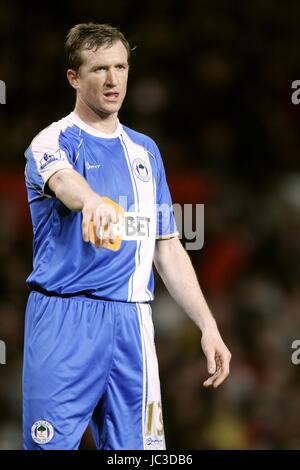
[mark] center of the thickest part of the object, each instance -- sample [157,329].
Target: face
[101,80]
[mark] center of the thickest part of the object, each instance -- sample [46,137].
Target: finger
[100,217]
[86,218]
[108,234]
[211,363]
[112,233]
[98,213]
[220,379]
[113,216]
[100,232]
[99,226]
[103,232]
[208,382]
[224,374]
[107,212]
[104,227]
[104,220]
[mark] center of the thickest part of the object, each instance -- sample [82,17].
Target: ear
[72,77]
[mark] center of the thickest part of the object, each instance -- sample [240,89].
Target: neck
[106,123]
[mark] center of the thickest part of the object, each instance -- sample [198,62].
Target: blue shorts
[90,362]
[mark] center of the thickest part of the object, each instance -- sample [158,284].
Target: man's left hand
[218,357]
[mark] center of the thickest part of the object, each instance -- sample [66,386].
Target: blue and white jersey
[125,166]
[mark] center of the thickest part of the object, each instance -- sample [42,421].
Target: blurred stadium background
[211,83]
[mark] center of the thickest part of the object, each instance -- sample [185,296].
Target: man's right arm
[76,194]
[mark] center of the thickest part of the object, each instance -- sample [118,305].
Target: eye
[99,68]
[121,67]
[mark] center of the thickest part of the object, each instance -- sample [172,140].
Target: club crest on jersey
[141,169]
[42,432]
[48,159]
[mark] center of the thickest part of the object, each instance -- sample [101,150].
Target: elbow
[166,252]
[55,183]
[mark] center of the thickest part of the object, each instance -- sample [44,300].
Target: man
[93,188]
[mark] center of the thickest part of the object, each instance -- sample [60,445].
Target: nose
[111,77]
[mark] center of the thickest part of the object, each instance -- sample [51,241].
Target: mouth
[111,96]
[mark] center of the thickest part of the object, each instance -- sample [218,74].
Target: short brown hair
[89,36]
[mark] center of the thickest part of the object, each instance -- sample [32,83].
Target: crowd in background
[210,81]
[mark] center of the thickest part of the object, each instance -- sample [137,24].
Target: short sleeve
[166,224]
[44,158]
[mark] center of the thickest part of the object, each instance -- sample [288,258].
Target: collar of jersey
[91,130]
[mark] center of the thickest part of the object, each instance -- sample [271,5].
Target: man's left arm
[176,270]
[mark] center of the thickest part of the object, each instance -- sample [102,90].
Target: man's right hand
[75,192]
[103,215]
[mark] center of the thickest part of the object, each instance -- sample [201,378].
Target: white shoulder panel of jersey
[46,151]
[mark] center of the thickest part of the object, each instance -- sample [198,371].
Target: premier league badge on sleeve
[48,159]
[42,432]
